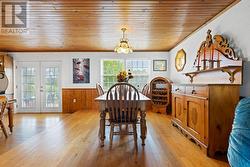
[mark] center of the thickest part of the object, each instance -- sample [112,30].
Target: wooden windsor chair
[99,89]
[101,92]
[3,103]
[145,90]
[123,107]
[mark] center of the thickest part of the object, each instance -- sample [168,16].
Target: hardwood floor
[26,126]
[72,141]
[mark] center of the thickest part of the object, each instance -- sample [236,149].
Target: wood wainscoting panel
[75,99]
[91,94]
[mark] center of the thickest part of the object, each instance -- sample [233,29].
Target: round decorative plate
[3,83]
[180,60]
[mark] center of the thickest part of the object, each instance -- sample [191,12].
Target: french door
[38,86]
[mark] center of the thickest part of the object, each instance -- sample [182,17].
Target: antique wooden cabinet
[6,69]
[204,113]
[160,91]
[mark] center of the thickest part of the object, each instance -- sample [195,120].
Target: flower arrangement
[124,76]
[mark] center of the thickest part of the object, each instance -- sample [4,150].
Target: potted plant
[124,76]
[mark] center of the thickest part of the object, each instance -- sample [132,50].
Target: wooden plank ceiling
[91,25]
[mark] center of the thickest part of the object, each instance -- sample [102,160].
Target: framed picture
[81,70]
[159,65]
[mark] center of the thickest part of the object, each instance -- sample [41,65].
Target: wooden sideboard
[204,113]
[75,99]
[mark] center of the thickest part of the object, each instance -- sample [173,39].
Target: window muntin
[110,69]
[140,70]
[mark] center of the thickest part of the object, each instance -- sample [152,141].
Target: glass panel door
[50,87]
[38,87]
[28,87]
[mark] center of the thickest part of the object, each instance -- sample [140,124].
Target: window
[140,70]
[110,68]
[28,86]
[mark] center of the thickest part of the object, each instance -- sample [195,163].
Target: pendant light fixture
[123,46]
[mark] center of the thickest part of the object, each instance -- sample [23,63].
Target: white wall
[235,25]
[95,63]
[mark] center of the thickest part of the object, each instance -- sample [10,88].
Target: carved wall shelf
[230,70]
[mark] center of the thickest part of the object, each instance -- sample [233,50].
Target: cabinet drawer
[197,90]
[178,89]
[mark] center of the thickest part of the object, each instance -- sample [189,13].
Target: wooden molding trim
[74,51]
[78,88]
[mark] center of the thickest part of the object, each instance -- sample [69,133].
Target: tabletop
[9,97]
[103,97]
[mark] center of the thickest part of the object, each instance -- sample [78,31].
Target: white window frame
[125,62]
[148,70]
[102,72]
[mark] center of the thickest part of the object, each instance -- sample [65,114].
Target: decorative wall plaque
[180,60]
[215,56]
[210,52]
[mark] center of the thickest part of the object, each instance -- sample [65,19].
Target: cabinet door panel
[178,109]
[195,109]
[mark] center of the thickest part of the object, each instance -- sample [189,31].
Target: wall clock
[180,60]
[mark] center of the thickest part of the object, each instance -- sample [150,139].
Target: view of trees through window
[110,69]
[52,87]
[139,69]
[28,87]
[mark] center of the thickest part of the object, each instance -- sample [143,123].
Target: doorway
[38,87]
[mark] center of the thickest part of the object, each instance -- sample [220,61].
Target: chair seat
[124,122]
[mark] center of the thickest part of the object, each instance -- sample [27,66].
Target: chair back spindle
[145,89]
[122,103]
[99,89]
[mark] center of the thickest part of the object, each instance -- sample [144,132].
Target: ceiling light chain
[123,46]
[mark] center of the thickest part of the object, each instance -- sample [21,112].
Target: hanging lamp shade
[123,46]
